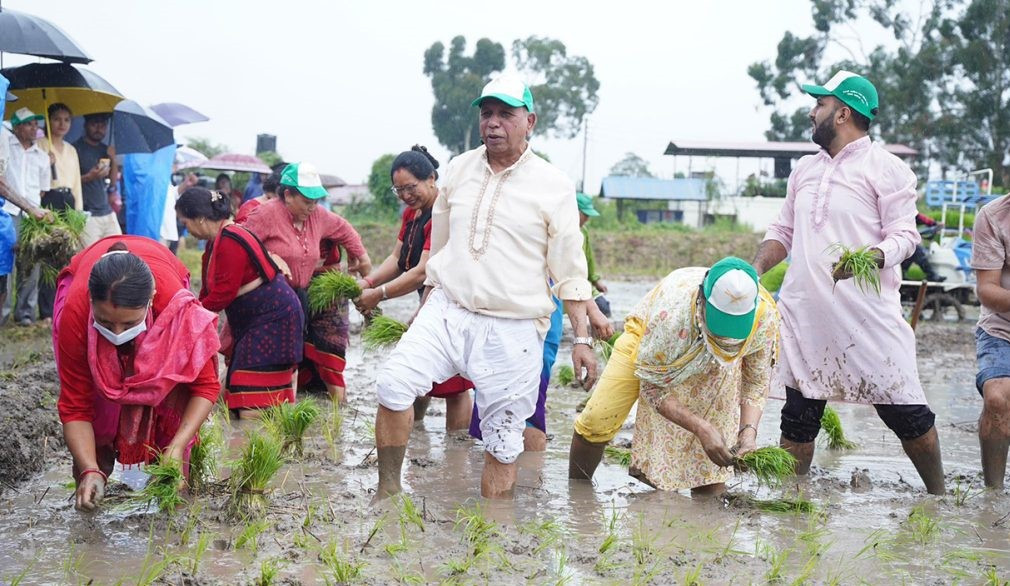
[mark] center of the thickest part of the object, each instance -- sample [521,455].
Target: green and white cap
[731,297]
[24,115]
[854,90]
[509,89]
[304,178]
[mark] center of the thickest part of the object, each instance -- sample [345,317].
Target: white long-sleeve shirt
[496,237]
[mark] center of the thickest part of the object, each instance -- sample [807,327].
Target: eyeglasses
[404,189]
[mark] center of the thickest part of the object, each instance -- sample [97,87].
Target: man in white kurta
[838,341]
[505,220]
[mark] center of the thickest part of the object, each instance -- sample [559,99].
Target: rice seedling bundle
[382,332]
[861,263]
[832,426]
[164,485]
[261,458]
[203,456]
[51,245]
[290,421]
[771,464]
[328,287]
[785,505]
[620,455]
[566,375]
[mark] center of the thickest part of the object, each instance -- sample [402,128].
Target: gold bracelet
[744,428]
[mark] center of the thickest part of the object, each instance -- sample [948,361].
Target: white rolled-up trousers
[502,357]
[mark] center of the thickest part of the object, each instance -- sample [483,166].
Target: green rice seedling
[693,577]
[341,569]
[192,520]
[642,542]
[333,426]
[776,559]
[565,375]
[785,505]
[327,288]
[50,244]
[250,535]
[379,525]
[409,515]
[202,543]
[383,332]
[923,527]
[611,538]
[548,533]
[203,457]
[962,494]
[478,530]
[290,421]
[861,262]
[605,348]
[880,544]
[991,577]
[18,578]
[620,456]
[562,571]
[771,464]
[164,485]
[831,423]
[269,569]
[261,458]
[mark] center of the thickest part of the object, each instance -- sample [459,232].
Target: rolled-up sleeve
[896,205]
[566,261]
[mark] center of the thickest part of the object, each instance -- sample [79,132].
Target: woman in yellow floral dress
[699,348]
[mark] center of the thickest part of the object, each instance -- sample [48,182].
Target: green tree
[563,86]
[381,186]
[906,73]
[456,80]
[205,146]
[975,95]
[271,158]
[631,165]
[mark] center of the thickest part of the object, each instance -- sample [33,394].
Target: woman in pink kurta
[295,229]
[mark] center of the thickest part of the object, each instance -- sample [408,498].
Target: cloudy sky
[340,83]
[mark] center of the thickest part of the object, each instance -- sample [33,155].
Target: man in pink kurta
[839,342]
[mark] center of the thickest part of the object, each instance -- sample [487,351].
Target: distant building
[341,195]
[685,199]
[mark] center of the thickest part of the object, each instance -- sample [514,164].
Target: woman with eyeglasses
[414,174]
[137,360]
[264,314]
[305,235]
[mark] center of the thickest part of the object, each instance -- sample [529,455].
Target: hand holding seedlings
[714,445]
[90,490]
[862,265]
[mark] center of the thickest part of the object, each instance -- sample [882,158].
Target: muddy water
[863,532]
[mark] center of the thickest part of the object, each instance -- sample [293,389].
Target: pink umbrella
[236,162]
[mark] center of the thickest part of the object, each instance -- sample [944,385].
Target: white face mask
[124,336]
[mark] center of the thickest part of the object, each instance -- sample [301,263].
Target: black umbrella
[39,84]
[136,129]
[28,34]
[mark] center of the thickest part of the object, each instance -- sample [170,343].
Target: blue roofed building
[680,201]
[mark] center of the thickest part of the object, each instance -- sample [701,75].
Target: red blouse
[227,266]
[76,402]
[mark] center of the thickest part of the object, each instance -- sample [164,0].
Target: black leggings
[801,418]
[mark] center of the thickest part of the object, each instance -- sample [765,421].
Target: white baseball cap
[509,89]
[731,296]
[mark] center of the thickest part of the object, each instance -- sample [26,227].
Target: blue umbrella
[136,129]
[178,114]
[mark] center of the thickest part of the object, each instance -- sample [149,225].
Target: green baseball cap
[731,297]
[854,90]
[586,205]
[304,178]
[24,115]
[509,89]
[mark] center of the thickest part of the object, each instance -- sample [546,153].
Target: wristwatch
[587,340]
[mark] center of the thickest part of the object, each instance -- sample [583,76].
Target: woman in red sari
[136,355]
[414,174]
[264,315]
